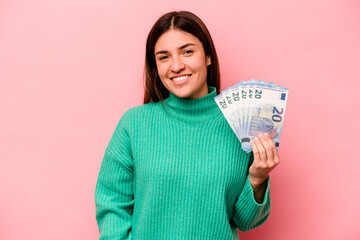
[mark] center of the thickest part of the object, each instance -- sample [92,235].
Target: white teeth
[181,78]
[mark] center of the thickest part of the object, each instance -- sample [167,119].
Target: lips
[181,78]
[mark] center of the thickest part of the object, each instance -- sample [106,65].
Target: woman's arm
[114,193]
[248,213]
[252,208]
[266,158]
[259,192]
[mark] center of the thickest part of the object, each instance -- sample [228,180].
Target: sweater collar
[193,109]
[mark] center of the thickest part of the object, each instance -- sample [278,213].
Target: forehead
[174,39]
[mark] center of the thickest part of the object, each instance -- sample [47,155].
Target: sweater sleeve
[248,213]
[114,193]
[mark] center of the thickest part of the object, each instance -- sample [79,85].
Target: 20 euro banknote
[254,107]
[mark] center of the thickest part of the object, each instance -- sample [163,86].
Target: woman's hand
[266,158]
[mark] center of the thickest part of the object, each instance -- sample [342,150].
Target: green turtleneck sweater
[176,171]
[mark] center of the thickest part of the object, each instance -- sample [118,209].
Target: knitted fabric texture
[176,171]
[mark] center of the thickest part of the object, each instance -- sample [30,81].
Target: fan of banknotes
[253,107]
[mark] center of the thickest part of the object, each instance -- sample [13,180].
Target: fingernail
[261,135]
[266,134]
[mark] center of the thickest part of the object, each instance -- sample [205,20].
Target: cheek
[161,69]
[199,64]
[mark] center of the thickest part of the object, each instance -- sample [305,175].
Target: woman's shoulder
[141,112]
[141,109]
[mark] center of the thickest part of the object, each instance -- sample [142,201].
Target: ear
[208,60]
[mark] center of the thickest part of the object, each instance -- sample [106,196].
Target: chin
[182,95]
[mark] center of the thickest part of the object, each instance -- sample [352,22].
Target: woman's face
[182,64]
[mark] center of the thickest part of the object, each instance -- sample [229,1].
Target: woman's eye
[162,57]
[188,51]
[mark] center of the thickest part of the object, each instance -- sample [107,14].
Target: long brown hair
[188,22]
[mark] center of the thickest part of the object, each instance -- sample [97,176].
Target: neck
[192,110]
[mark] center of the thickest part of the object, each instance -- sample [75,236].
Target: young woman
[174,169]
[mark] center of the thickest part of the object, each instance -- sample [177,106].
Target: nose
[177,64]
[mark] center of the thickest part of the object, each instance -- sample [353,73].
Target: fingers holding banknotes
[266,158]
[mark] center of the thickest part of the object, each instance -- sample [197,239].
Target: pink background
[69,69]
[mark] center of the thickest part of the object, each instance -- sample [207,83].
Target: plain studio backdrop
[69,69]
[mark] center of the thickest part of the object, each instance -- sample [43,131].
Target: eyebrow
[180,48]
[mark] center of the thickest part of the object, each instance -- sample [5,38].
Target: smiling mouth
[180,78]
